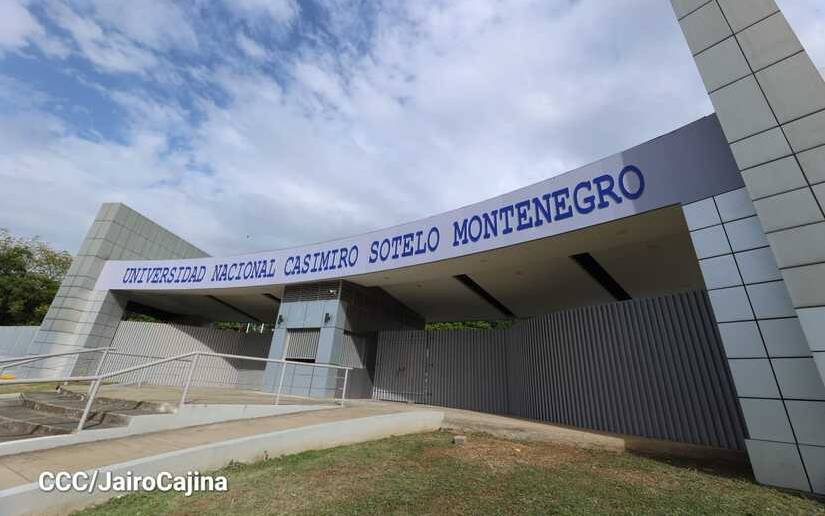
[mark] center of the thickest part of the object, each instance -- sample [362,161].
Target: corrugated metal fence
[138,343]
[468,370]
[649,367]
[401,366]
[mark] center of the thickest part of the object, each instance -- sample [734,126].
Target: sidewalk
[25,468]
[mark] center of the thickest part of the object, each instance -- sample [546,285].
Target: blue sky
[247,125]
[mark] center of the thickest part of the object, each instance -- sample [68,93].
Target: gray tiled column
[770,100]
[82,317]
[778,386]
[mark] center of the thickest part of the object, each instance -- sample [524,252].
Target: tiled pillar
[770,100]
[81,317]
[777,383]
[342,313]
[302,308]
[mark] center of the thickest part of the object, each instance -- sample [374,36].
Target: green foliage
[30,274]
[134,316]
[470,325]
[230,325]
[241,326]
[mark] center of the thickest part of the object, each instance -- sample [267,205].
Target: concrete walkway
[25,468]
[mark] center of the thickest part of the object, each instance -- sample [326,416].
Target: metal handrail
[98,378]
[34,358]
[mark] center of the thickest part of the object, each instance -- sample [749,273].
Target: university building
[674,290]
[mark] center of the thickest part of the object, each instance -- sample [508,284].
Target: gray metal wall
[468,370]
[155,340]
[650,367]
[401,366]
[16,340]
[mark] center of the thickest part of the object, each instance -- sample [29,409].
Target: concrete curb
[29,499]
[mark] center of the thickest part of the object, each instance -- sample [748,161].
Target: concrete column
[770,100]
[334,310]
[81,317]
[776,380]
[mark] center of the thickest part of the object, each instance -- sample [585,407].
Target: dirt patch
[502,456]
[651,479]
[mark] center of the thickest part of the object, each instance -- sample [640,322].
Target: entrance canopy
[607,231]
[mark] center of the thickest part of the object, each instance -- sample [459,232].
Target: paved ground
[524,429]
[26,467]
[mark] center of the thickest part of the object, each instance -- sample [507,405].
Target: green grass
[426,474]
[38,387]
[27,387]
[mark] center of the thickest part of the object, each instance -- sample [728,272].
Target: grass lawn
[38,387]
[28,387]
[427,474]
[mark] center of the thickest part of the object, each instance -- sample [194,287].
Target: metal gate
[401,367]
[651,367]
[459,368]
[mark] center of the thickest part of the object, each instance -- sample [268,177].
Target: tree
[30,274]
[470,325]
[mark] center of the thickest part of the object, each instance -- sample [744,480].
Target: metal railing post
[344,391]
[143,377]
[280,384]
[92,393]
[102,360]
[188,381]
[311,379]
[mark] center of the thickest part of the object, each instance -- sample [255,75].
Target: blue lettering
[373,251]
[523,215]
[560,198]
[506,212]
[634,192]
[459,233]
[583,204]
[604,187]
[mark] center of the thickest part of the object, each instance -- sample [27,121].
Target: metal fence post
[188,381]
[311,380]
[92,393]
[143,377]
[102,360]
[280,384]
[344,391]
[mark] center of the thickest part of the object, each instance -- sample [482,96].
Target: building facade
[673,290]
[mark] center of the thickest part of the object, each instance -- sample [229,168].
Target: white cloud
[19,29]
[17,25]
[423,107]
[265,11]
[452,104]
[148,113]
[157,24]
[109,50]
[250,47]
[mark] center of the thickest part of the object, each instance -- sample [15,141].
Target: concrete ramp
[203,449]
[45,420]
